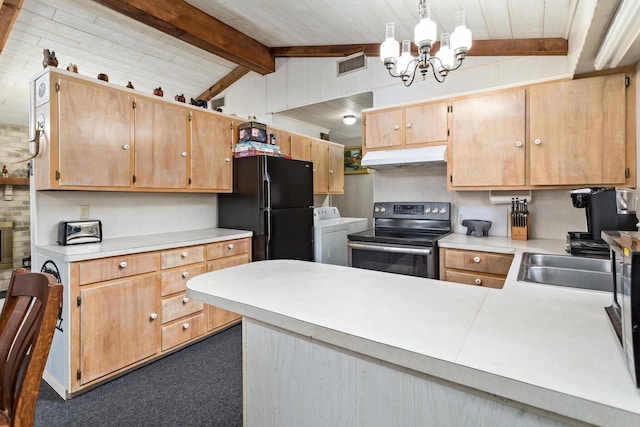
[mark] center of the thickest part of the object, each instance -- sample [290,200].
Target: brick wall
[14,200]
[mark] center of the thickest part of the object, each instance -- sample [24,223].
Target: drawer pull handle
[185,274]
[230,246]
[123,264]
[185,254]
[153,316]
[476,259]
[478,281]
[185,300]
[185,326]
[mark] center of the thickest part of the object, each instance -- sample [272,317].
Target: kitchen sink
[566,270]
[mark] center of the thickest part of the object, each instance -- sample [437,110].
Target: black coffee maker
[602,214]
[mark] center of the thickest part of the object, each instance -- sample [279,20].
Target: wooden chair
[27,324]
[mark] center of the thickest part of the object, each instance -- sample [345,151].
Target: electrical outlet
[84,211]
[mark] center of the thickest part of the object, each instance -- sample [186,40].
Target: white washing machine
[330,232]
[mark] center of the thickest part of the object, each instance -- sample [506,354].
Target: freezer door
[289,182]
[289,234]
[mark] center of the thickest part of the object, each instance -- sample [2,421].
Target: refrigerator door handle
[266,183]
[267,240]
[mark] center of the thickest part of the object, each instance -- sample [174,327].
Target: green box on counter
[252,131]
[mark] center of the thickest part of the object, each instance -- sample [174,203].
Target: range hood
[435,155]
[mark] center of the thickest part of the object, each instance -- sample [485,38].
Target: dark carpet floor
[200,385]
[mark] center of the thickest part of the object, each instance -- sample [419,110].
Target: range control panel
[412,210]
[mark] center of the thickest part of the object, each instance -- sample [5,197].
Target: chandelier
[453,49]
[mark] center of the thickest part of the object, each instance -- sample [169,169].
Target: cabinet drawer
[486,262]
[179,306]
[182,331]
[103,269]
[470,278]
[228,248]
[181,256]
[218,264]
[176,280]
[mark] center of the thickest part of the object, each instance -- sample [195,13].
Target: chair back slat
[27,324]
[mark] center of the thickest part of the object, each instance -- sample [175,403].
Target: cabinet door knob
[518,143]
[476,259]
[183,154]
[126,146]
[230,246]
[396,127]
[537,142]
[123,264]
[227,159]
[330,171]
[185,274]
[185,326]
[478,281]
[185,300]
[408,125]
[153,316]
[185,254]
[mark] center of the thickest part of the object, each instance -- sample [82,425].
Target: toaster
[76,232]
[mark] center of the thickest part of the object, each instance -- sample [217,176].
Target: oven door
[409,260]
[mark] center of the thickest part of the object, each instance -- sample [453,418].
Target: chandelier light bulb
[461,37]
[425,32]
[405,59]
[390,47]
[444,54]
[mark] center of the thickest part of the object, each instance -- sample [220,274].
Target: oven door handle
[391,249]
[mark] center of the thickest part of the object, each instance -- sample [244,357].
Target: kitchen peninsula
[331,345]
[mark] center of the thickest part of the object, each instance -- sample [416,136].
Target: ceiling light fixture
[453,47]
[349,119]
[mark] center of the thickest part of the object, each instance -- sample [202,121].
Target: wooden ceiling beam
[511,47]
[235,75]
[189,24]
[9,10]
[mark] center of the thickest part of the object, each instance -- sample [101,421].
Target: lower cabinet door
[119,325]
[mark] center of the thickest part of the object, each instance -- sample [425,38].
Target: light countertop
[135,244]
[546,346]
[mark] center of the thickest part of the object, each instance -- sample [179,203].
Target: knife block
[521,233]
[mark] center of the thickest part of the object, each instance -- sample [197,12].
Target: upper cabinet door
[94,131]
[320,159]
[211,152]
[336,169]
[161,150]
[578,132]
[384,129]
[488,140]
[426,123]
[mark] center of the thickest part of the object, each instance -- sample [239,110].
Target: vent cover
[217,103]
[351,64]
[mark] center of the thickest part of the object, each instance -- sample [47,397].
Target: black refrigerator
[273,197]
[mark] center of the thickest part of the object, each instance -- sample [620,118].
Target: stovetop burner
[409,224]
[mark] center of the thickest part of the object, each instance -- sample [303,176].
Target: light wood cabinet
[328,162]
[488,146]
[407,127]
[283,140]
[559,134]
[212,141]
[101,137]
[130,309]
[118,326]
[336,169]
[96,150]
[578,132]
[161,134]
[474,267]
